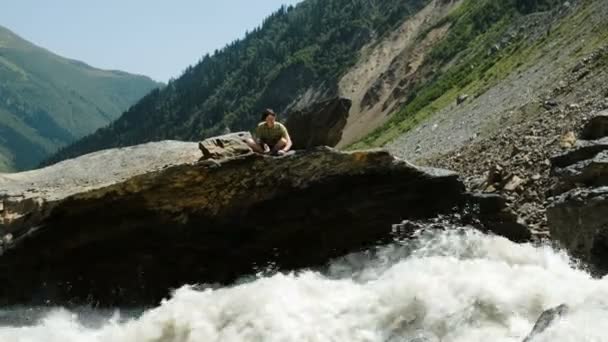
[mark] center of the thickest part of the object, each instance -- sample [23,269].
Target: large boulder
[597,127]
[587,173]
[579,220]
[321,124]
[582,150]
[116,228]
[578,206]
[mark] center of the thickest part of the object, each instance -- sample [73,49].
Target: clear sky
[157,38]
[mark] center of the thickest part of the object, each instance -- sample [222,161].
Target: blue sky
[157,38]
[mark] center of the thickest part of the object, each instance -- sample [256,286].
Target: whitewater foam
[443,286]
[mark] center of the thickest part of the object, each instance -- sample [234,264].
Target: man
[272,136]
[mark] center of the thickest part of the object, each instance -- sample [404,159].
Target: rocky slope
[502,139]
[122,227]
[47,101]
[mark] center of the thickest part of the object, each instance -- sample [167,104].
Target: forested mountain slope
[297,49]
[394,59]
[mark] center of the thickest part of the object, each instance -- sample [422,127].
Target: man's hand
[281,152]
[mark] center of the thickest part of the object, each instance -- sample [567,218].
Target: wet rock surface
[545,320]
[131,238]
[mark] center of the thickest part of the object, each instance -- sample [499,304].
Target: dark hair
[268,112]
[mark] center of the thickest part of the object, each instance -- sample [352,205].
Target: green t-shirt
[269,135]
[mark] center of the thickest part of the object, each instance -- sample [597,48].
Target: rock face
[578,213]
[129,235]
[319,125]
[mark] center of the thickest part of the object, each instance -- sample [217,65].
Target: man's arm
[288,138]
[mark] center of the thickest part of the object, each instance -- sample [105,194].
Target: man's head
[269,116]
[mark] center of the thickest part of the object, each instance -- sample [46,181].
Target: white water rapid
[445,286]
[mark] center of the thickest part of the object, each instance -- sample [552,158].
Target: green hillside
[47,101]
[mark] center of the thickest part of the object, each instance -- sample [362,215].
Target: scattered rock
[513,184]
[588,173]
[550,104]
[461,98]
[574,106]
[567,140]
[584,149]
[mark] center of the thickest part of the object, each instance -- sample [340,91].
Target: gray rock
[597,127]
[550,104]
[461,98]
[321,124]
[578,220]
[583,150]
[225,146]
[587,173]
[547,318]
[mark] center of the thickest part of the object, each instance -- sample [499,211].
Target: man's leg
[279,146]
[254,146]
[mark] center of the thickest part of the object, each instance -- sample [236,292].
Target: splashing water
[443,286]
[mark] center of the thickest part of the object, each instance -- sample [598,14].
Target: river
[459,285]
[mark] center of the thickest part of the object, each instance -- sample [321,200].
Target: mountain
[297,53]
[400,62]
[47,101]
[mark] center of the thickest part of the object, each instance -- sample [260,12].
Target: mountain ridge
[48,101]
[457,47]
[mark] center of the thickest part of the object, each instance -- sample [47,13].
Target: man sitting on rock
[271,136]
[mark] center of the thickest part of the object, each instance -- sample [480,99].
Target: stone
[545,320]
[583,150]
[320,124]
[550,104]
[496,216]
[597,127]
[156,218]
[576,212]
[514,183]
[225,146]
[588,173]
[578,220]
[490,189]
[574,106]
[567,140]
[461,98]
